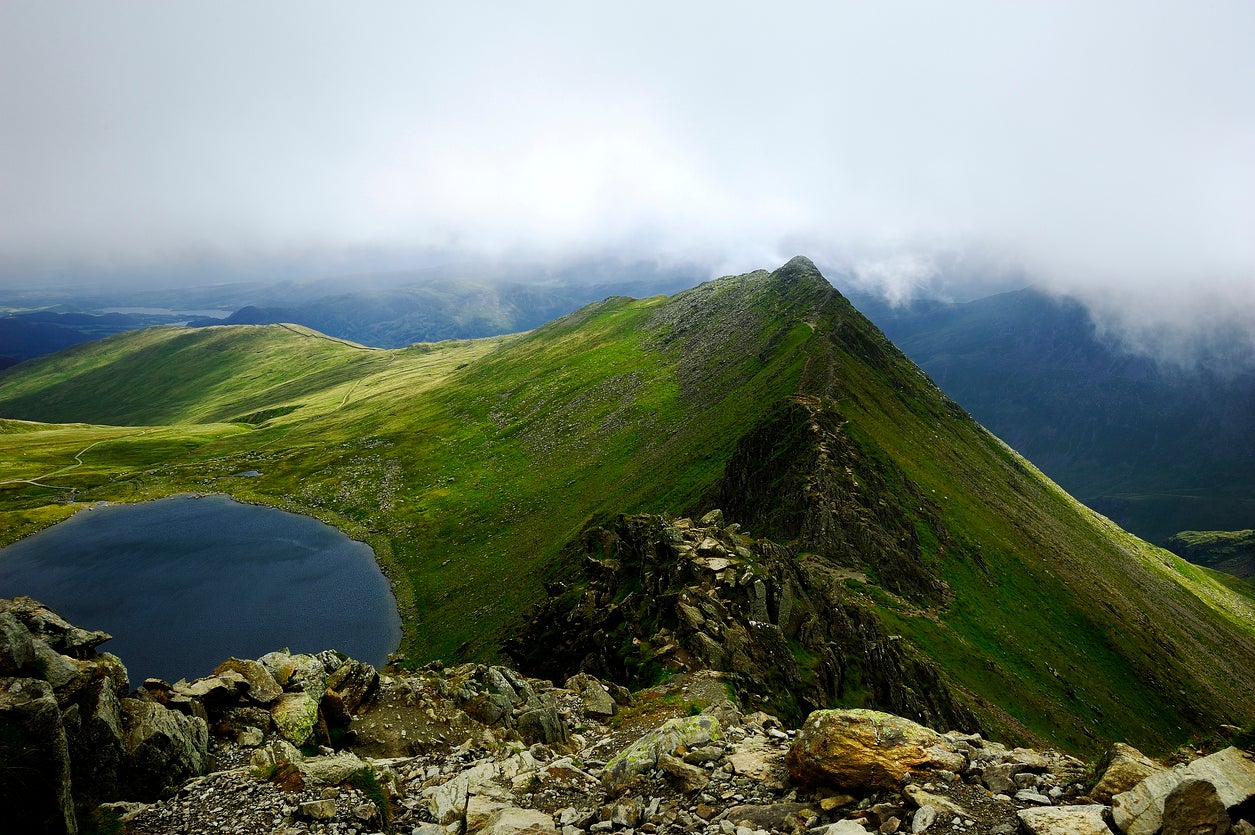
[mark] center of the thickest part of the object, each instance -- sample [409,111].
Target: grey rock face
[35,788]
[17,650]
[163,748]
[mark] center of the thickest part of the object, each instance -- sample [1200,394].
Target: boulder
[214,692]
[34,759]
[1064,820]
[447,801]
[511,820]
[295,715]
[330,771]
[163,748]
[355,683]
[598,702]
[1122,767]
[319,810]
[924,817]
[943,805]
[47,626]
[262,687]
[689,778]
[279,665]
[1140,810]
[1194,808]
[479,811]
[866,749]
[542,724]
[308,675]
[642,755]
[784,817]
[62,672]
[1231,771]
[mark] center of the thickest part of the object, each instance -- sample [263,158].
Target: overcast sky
[1103,149]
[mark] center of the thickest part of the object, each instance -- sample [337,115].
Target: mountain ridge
[470,468]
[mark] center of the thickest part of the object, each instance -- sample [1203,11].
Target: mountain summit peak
[797,266]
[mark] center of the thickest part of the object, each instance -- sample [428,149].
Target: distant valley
[1158,449]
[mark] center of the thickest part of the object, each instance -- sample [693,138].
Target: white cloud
[1106,150]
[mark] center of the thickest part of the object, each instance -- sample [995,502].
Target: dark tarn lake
[183,583]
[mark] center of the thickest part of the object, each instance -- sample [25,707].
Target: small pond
[182,583]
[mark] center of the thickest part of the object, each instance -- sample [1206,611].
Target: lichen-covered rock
[309,675]
[295,715]
[279,665]
[642,755]
[866,749]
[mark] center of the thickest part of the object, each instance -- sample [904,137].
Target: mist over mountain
[1159,447]
[391,309]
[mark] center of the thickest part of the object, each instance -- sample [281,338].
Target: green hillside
[470,466]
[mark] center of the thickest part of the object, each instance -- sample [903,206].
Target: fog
[1102,150]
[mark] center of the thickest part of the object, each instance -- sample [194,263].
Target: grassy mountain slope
[468,467]
[1157,448]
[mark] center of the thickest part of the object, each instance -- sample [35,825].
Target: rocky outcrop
[1229,776]
[34,758]
[800,479]
[673,594]
[70,734]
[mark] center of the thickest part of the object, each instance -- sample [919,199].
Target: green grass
[469,466]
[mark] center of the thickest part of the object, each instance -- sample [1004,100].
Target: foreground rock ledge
[483,749]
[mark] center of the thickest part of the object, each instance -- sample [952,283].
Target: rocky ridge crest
[791,629]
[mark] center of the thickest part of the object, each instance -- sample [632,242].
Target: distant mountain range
[26,335]
[885,549]
[385,310]
[393,317]
[1156,448]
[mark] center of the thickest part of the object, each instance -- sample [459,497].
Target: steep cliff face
[798,478]
[665,595]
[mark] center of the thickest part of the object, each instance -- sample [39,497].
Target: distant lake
[183,583]
[169,311]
